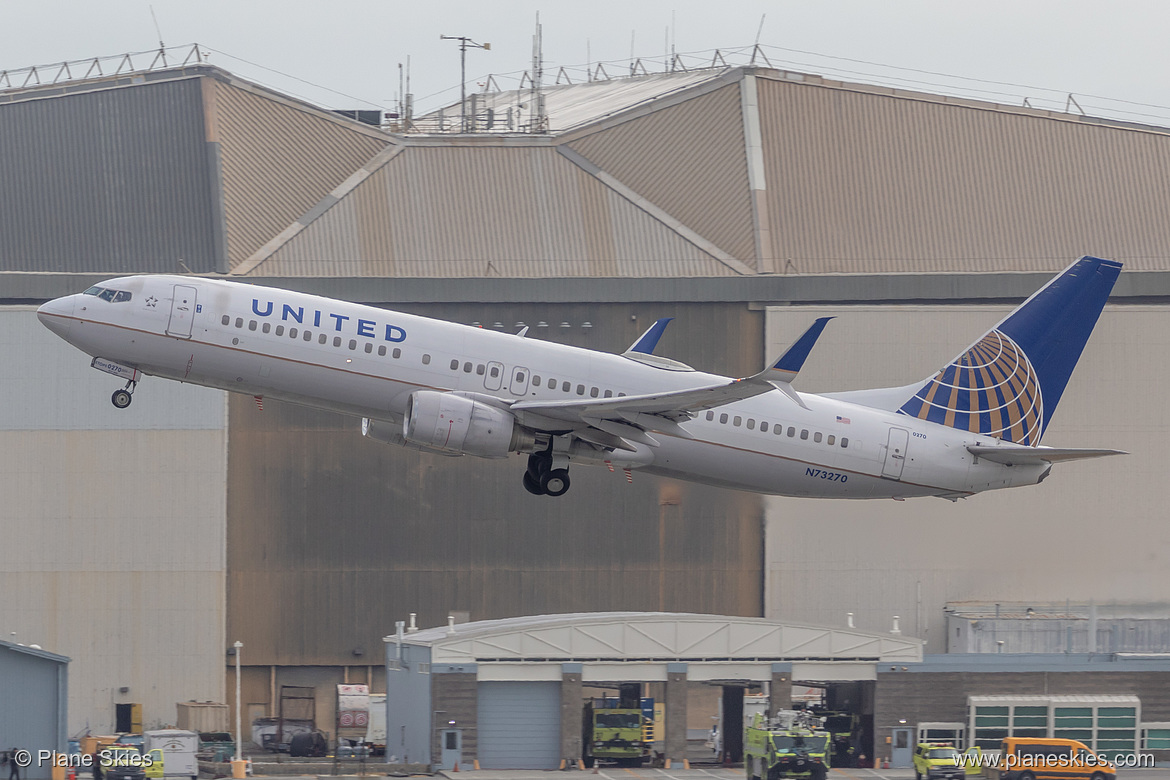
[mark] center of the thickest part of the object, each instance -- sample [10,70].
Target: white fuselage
[366,361]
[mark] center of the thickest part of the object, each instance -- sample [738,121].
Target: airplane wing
[629,417]
[1013,455]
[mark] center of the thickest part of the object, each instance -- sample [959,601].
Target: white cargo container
[179,748]
[376,731]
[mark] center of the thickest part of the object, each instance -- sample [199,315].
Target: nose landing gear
[122,398]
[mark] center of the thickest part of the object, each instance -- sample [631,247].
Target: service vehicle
[1035,758]
[179,748]
[938,761]
[613,733]
[127,762]
[791,744]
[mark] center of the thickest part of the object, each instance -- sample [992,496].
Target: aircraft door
[494,378]
[896,453]
[182,311]
[519,383]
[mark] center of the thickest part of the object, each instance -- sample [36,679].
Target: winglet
[649,340]
[788,366]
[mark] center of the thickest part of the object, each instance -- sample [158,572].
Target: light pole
[464,44]
[239,735]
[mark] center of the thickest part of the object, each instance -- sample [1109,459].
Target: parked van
[1034,758]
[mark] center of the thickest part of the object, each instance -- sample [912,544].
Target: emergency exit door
[182,311]
[895,453]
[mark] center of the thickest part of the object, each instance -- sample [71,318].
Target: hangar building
[744,201]
[33,702]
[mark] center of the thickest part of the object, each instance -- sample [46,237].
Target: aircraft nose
[57,315]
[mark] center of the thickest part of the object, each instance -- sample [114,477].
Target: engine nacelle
[459,425]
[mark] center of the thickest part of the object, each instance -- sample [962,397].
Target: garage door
[519,725]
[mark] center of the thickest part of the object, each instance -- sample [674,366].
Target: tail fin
[1009,382]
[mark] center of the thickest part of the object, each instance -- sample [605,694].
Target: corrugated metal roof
[113,180]
[38,652]
[688,159]
[277,160]
[569,105]
[865,182]
[522,211]
[979,701]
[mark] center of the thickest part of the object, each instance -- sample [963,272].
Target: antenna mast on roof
[539,118]
[465,43]
[162,47]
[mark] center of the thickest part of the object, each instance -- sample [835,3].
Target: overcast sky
[345,53]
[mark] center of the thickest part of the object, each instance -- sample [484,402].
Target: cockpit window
[106,294]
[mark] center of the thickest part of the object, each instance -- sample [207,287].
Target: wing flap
[1011,455]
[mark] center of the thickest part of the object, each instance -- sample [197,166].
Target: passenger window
[844,442]
[454,365]
[292,333]
[817,437]
[791,432]
[382,351]
[565,387]
[426,360]
[467,367]
[804,434]
[535,380]
[520,377]
[751,424]
[736,420]
[369,347]
[580,389]
[594,392]
[279,330]
[619,395]
[353,343]
[710,416]
[779,429]
[763,427]
[831,440]
[267,327]
[308,335]
[723,419]
[495,372]
[608,394]
[239,322]
[552,384]
[226,319]
[479,369]
[397,353]
[251,324]
[337,341]
[322,338]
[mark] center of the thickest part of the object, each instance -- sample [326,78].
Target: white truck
[178,748]
[376,730]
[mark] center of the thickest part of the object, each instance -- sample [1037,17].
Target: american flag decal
[842,420]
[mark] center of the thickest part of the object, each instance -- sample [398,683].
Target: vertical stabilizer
[1009,382]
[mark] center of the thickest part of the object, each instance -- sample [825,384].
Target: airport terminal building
[743,201]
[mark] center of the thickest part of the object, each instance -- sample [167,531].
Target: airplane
[453,389]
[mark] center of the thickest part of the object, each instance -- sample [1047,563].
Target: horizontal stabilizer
[1031,456]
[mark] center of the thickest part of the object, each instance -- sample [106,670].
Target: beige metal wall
[113,528]
[332,537]
[1093,530]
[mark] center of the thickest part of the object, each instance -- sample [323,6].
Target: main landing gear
[541,479]
[122,398]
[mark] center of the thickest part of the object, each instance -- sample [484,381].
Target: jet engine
[463,426]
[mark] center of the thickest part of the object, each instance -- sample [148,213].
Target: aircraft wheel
[121,398]
[539,465]
[532,485]
[555,482]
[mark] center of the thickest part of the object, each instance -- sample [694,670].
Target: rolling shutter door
[519,725]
